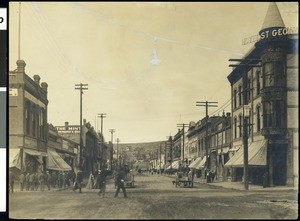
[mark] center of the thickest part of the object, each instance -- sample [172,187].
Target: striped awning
[195,163]
[257,155]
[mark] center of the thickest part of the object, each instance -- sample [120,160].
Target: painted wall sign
[270,33]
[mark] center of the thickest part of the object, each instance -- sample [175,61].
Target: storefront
[257,161]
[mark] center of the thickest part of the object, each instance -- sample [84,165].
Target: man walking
[78,181]
[11,181]
[120,182]
[102,182]
[41,180]
[48,179]
[22,181]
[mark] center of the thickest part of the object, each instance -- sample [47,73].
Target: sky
[146,64]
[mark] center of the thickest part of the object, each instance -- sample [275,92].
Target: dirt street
[154,197]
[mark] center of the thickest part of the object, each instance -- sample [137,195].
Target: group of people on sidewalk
[100,181]
[32,181]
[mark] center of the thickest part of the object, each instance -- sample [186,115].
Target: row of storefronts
[35,145]
[264,106]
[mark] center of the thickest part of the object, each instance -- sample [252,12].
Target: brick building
[271,92]
[27,120]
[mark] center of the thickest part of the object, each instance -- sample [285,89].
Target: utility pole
[245,65]
[171,149]
[19,45]
[183,127]
[118,160]
[112,151]
[206,104]
[159,158]
[102,115]
[81,87]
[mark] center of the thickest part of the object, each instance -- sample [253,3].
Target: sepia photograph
[152,110]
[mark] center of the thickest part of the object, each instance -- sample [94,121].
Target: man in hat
[120,182]
[102,182]
[79,179]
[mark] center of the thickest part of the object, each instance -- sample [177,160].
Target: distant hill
[141,151]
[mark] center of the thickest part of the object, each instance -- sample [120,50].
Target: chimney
[44,86]
[67,125]
[37,79]
[21,65]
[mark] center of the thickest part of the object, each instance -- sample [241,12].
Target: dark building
[271,92]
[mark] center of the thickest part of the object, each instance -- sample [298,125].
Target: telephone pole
[112,151]
[118,160]
[245,65]
[81,87]
[159,158]
[206,104]
[183,127]
[102,115]
[171,149]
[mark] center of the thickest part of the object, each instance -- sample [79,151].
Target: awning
[35,152]
[234,149]
[174,165]
[14,158]
[201,164]
[55,162]
[195,163]
[257,155]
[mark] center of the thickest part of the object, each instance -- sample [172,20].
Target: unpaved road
[154,197]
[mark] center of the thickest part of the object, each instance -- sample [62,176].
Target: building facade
[27,120]
[266,80]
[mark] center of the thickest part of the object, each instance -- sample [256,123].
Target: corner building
[271,91]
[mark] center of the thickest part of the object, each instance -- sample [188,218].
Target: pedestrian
[265,179]
[78,181]
[22,179]
[120,182]
[41,180]
[102,182]
[54,179]
[213,174]
[11,181]
[48,179]
[90,184]
[36,181]
[63,178]
[32,181]
[28,184]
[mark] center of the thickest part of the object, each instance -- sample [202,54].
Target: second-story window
[240,95]
[258,82]
[240,126]
[258,118]
[235,127]
[268,70]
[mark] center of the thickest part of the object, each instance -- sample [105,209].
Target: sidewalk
[240,186]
